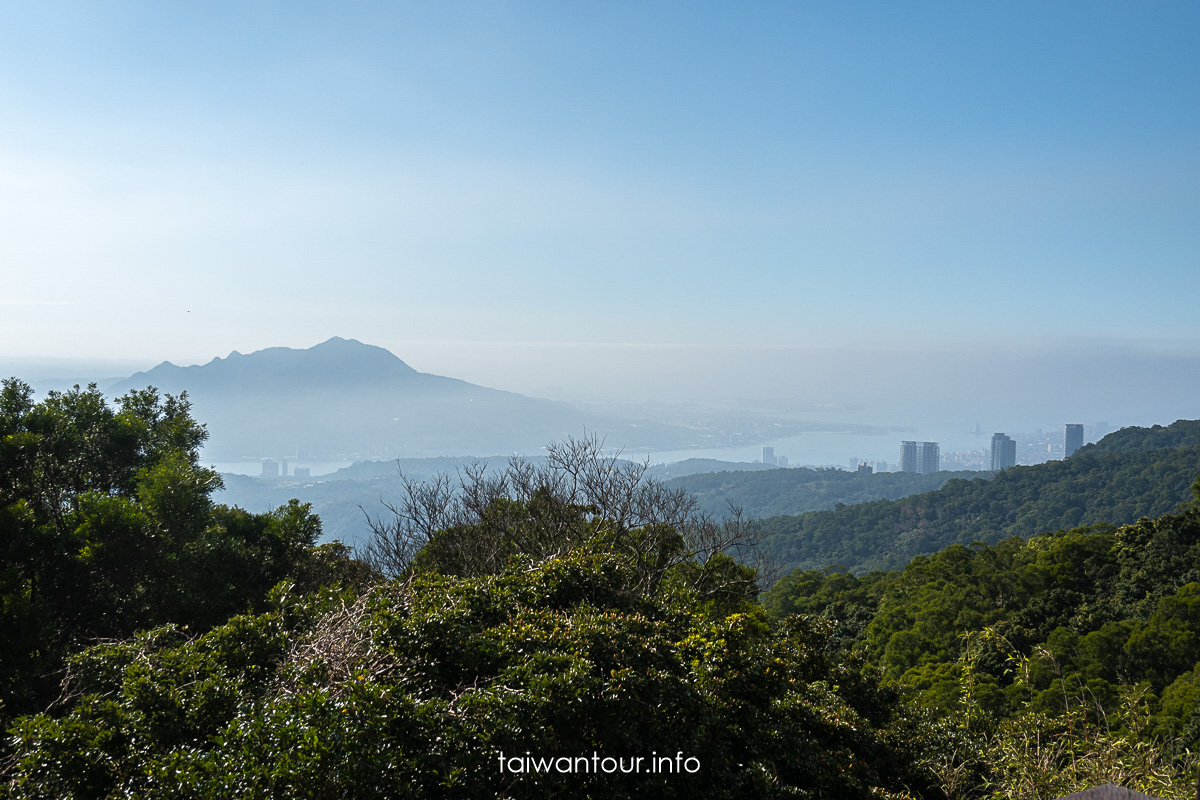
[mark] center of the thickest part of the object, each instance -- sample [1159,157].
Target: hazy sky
[472,184]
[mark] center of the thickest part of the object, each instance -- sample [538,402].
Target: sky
[641,199]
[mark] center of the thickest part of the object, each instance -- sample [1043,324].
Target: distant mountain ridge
[277,368]
[346,399]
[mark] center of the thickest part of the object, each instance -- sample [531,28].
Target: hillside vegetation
[1088,637]
[569,628]
[776,492]
[344,498]
[1139,473]
[574,614]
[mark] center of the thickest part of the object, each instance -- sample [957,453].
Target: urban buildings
[1004,452]
[768,456]
[921,457]
[1073,440]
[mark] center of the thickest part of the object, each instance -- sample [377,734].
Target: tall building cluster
[924,458]
[769,457]
[272,470]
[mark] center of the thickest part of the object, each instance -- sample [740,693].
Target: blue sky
[471,183]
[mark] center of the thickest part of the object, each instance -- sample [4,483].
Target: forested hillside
[1180,434]
[573,616]
[1118,484]
[775,492]
[1095,629]
[565,628]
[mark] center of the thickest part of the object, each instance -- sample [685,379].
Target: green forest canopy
[1106,608]
[187,649]
[108,529]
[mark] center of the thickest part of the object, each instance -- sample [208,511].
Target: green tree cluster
[419,687]
[107,528]
[1046,665]
[1179,434]
[577,614]
[558,615]
[1107,608]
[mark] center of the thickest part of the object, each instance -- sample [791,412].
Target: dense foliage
[418,689]
[560,630]
[1098,625]
[1089,488]
[106,528]
[581,614]
[1179,434]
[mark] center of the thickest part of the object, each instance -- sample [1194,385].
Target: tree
[107,526]
[540,681]
[472,525]
[576,613]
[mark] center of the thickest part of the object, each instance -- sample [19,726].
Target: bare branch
[471,525]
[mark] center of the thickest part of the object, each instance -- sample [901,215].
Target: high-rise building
[1004,452]
[931,458]
[270,468]
[921,457]
[865,469]
[1074,439]
[768,455]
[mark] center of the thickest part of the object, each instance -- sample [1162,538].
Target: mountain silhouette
[343,399]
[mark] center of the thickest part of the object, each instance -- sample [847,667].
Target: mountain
[345,399]
[1132,473]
